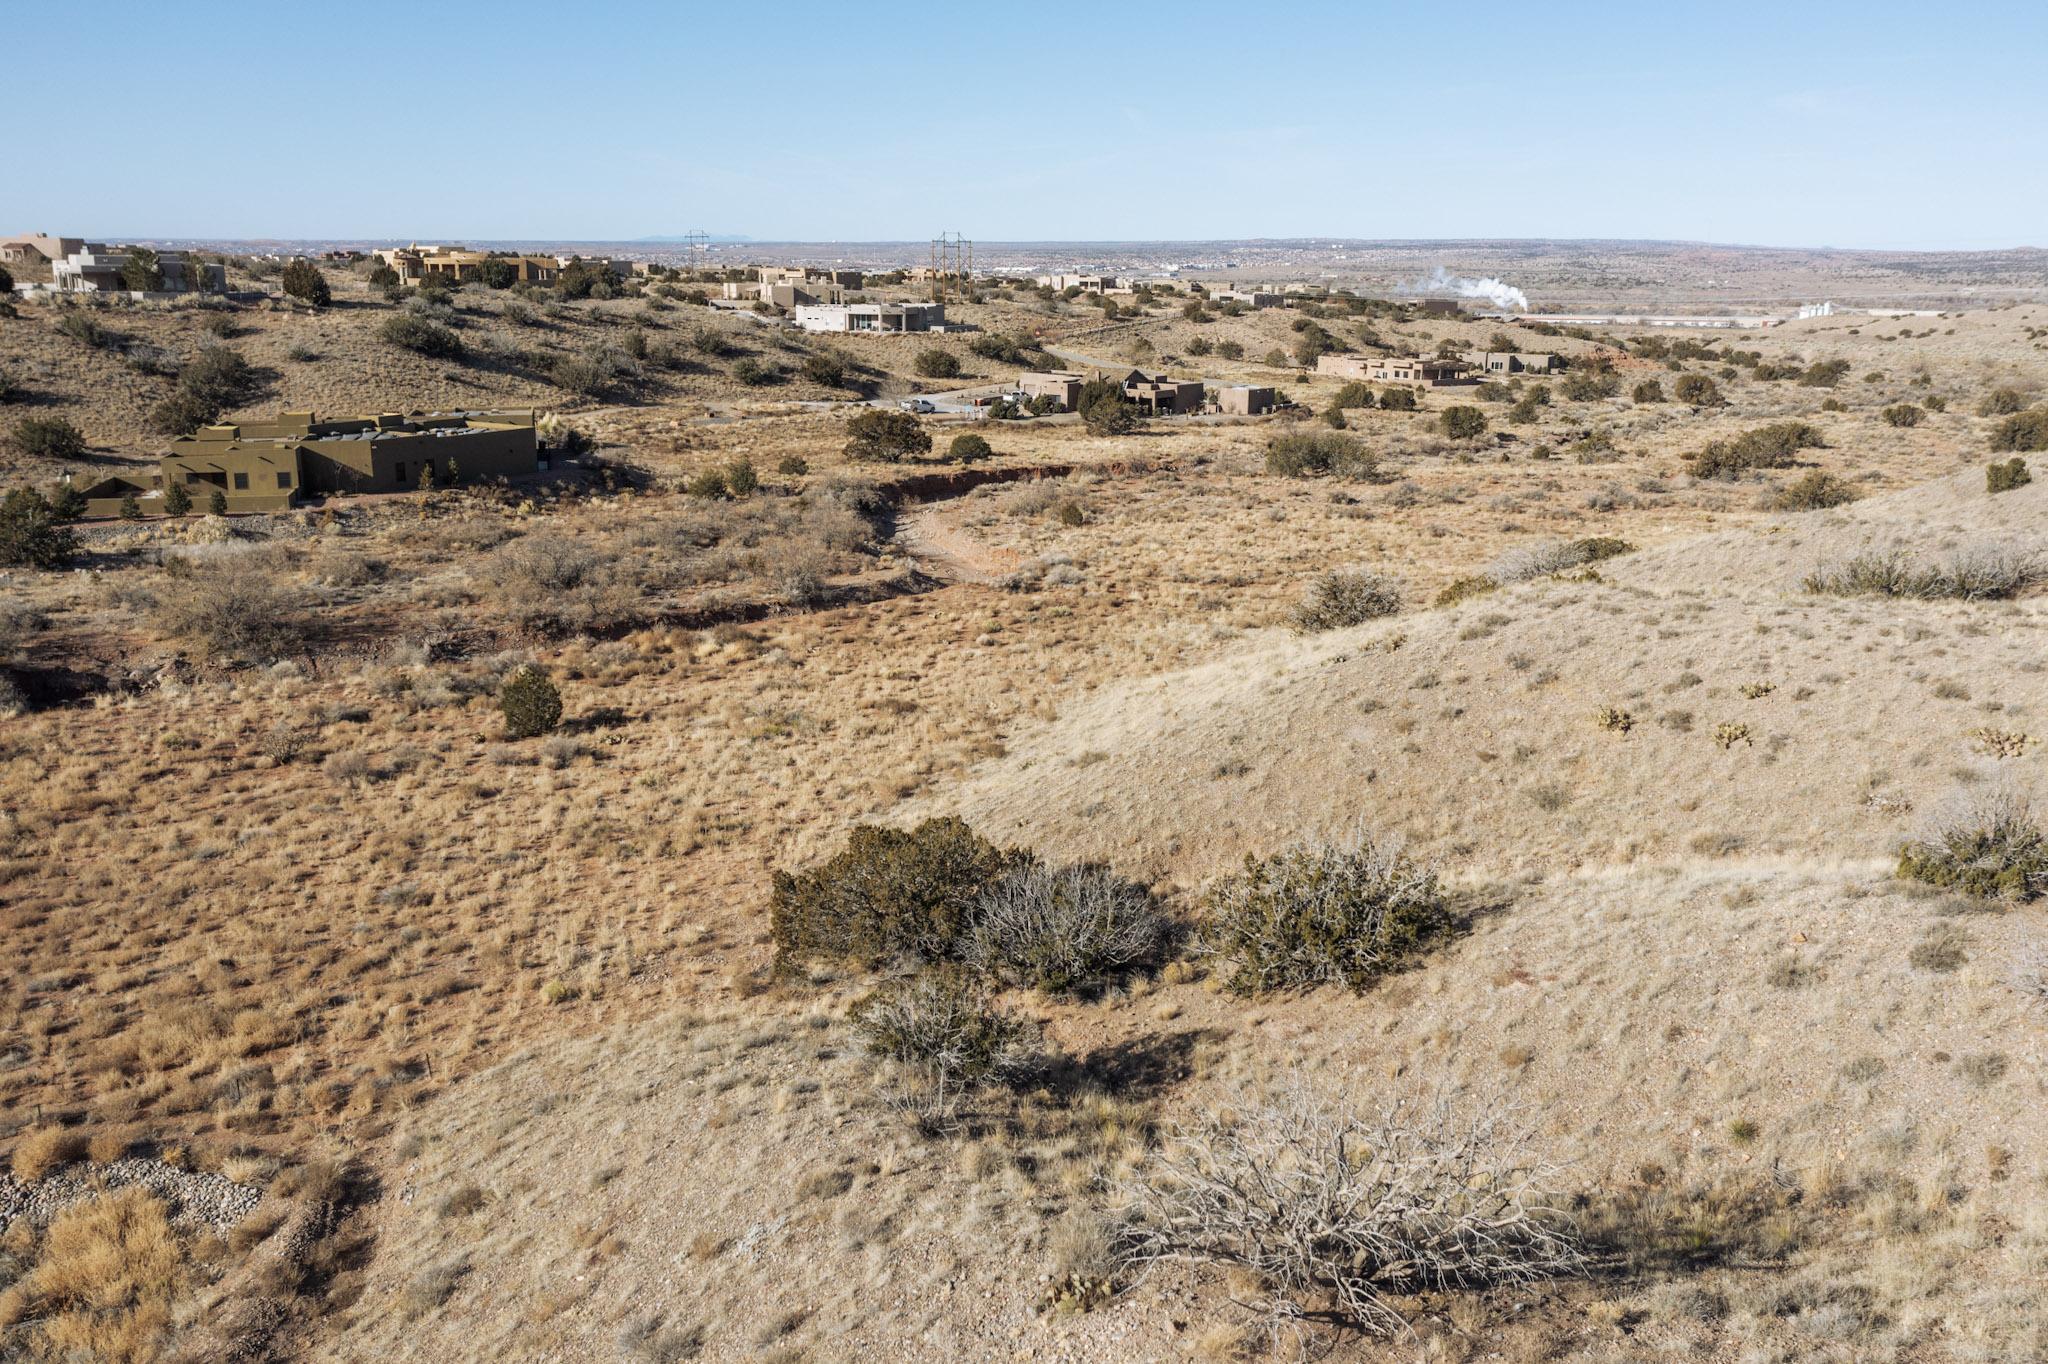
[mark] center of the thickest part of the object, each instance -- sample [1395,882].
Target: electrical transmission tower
[697,245]
[952,258]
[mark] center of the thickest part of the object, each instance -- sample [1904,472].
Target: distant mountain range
[718,238]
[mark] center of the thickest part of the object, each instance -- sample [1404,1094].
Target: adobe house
[1245,400]
[416,264]
[1062,385]
[1423,371]
[268,466]
[38,248]
[1516,362]
[1161,396]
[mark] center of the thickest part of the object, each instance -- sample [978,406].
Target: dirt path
[949,553]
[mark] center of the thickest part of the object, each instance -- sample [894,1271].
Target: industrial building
[1250,298]
[1421,371]
[268,466]
[1245,400]
[871,317]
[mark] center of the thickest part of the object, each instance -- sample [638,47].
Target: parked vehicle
[918,405]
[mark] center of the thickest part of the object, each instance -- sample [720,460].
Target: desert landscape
[1097,796]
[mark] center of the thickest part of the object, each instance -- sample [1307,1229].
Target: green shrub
[1395,399]
[1297,454]
[1590,385]
[1463,589]
[889,893]
[794,465]
[2002,476]
[67,502]
[968,447]
[1824,373]
[2026,431]
[1353,394]
[1322,914]
[1903,414]
[530,703]
[885,436]
[143,270]
[823,369]
[1347,597]
[1200,345]
[1595,548]
[180,414]
[1648,391]
[1765,447]
[936,364]
[29,534]
[1983,843]
[1812,491]
[741,478]
[177,501]
[421,336]
[706,483]
[48,438]
[1696,390]
[1462,423]
[2002,402]
[85,329]
[1230,350]
[302,280]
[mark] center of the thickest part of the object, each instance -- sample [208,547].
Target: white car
[918,405]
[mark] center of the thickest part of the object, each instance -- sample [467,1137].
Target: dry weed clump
[1984,842]
[106,1278]
[1312,1197]
[550,584]
[1322,913]
[228,613]
[1346,598]
[1062,928]
[947,1036]
[1986,572]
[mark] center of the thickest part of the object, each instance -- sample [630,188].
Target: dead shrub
[549,584]
[1345,598]
[231,613]
[1314,1198]
[1984,842]
[105,1283]
[1062,928]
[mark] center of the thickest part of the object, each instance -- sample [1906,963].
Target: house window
[241,482]
[284,479]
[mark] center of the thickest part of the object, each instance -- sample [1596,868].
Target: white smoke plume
[1441,281]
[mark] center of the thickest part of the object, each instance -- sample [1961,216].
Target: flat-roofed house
[1518,362]
[1063,386]
[1422,371]
[38,247]
[1245,400]
[271,465]
[1161,396]
[870,317]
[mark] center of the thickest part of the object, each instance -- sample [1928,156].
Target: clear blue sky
[1802,124]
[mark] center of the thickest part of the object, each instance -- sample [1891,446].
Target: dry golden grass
[106,1277]
[257,906]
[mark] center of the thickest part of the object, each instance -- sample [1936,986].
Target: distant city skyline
[1854,126]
